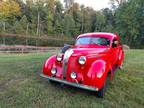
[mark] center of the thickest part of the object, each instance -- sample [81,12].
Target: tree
[100,22]
[58,17]
[77,17]
[68,3]
[40,17]
[129,21]
[49,20]
[9,9]
[21,26]
[69,25]
[118,3]
[86,19]
[109,17]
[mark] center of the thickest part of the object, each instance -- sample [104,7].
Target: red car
[89,64]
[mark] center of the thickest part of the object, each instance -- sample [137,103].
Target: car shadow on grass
[70,90]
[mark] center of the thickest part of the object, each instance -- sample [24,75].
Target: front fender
[97,69]
[49,63]
[98,72]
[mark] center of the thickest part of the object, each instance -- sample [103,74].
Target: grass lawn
[20,85]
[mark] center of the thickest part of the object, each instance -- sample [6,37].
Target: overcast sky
[96,4]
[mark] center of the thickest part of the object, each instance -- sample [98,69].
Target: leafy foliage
[50,17]
[9,9]
[129,19]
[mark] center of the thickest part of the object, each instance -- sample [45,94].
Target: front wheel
[102,91]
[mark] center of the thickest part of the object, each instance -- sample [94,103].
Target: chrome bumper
[69,83]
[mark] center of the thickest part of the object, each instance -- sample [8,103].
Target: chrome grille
[67,55]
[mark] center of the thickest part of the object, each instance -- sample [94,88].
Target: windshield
[93,40]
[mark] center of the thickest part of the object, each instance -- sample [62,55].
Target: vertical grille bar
[64,69]
[67,55]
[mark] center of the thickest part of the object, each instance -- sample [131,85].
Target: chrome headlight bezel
[53,71]
[59,57]
[73,75]
[82,60]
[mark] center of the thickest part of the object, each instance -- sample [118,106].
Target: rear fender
[120,58]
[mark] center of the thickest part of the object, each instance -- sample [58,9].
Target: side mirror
[114,44]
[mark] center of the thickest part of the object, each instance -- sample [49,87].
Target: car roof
[101,34]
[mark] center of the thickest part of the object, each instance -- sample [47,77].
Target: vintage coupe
[89,64]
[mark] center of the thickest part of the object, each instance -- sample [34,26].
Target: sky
[95,4]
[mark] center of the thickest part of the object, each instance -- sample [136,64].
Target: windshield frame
[90,41]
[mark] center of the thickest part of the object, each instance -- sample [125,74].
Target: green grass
[21,87]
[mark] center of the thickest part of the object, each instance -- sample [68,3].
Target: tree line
[53,18]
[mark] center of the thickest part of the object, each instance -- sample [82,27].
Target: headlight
[82,60]
[59,57]
[53,71]
[73,75]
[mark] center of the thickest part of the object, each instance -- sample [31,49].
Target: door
[114,52]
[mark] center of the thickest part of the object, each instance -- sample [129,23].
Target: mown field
[21,86]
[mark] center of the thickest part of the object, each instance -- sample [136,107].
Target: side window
[115,43]
[101,41]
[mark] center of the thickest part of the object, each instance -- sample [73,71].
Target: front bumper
[69,83]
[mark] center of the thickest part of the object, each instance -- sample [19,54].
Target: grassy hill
[20,85]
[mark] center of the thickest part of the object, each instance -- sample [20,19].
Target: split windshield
[93,40]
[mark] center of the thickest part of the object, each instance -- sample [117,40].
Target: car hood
[87,51]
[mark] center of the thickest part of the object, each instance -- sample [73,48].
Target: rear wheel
[102,91]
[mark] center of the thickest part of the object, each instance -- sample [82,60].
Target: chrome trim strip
[64,69]
[69,83]
[67,55]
